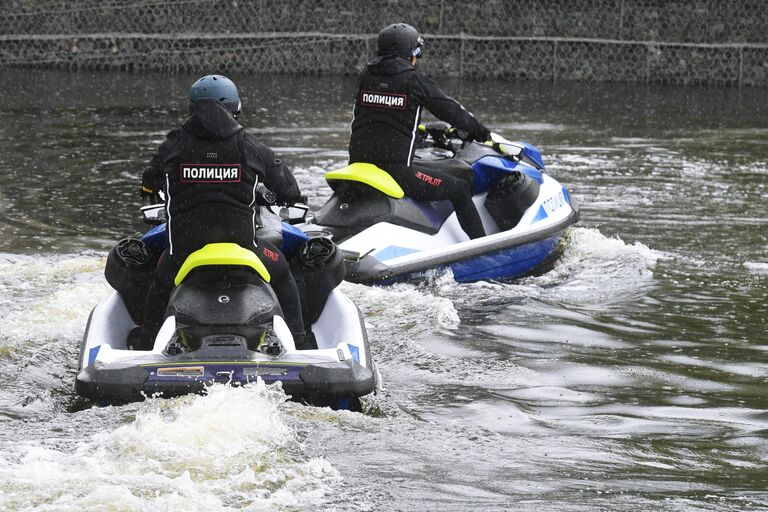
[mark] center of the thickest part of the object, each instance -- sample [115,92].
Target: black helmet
[216,87]
[400,39]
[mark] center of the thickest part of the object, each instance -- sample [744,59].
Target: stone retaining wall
[655,41]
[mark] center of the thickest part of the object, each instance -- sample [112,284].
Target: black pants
[282,283]
[430,185]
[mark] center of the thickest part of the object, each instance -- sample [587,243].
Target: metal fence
[664,41]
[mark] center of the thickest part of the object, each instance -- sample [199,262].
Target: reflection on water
[631,376]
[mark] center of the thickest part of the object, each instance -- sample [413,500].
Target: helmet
[400,39]
[216,87]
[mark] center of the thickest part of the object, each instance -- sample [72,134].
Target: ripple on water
[756,267]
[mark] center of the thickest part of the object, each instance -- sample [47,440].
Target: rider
[209,168]
[390,95]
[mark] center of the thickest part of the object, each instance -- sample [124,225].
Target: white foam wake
[229,450]
[47,298]
[757,267]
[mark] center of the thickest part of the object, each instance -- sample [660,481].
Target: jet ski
[389,237]
[224,324]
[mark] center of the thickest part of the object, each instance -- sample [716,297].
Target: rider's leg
[284,284]
[435,186]
[156,301]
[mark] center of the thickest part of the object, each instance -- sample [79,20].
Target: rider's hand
[149,195]
[292,200]
[265,196]
[146,193]
[459,133]
[462,134]
[483,136]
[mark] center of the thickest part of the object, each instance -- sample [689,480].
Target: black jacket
[209,169]
[390,96]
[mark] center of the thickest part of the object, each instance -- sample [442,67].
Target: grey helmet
[216,87]
[400,39]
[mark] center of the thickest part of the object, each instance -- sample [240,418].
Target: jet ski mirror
[510,150]
[154,214]
[295,214]
[506,147]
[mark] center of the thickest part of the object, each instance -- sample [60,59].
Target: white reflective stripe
[253,208]
[413,137]
[168,214]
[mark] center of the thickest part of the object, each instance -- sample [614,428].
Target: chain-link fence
[666,41]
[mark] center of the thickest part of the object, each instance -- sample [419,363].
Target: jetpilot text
[435,182]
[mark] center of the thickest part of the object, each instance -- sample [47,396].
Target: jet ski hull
[505,255]
[388,237]
[336,373]
[391,249]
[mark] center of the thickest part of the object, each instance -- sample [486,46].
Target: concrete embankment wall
[649,41]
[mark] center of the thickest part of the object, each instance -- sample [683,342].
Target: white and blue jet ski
[224,325]
[388,237]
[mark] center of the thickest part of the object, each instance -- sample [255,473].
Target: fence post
[741,65]
[554,61]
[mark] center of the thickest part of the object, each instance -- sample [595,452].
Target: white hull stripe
[253,208]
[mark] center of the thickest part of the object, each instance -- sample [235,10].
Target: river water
[631,376]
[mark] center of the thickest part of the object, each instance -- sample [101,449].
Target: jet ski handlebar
[442,135]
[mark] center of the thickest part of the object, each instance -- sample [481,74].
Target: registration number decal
[554,203]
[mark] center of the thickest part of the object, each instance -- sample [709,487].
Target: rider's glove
[266,196]
[291,200]
[150,195]
[146,192]
[482,135]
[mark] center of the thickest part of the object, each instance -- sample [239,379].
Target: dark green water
[632,376]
